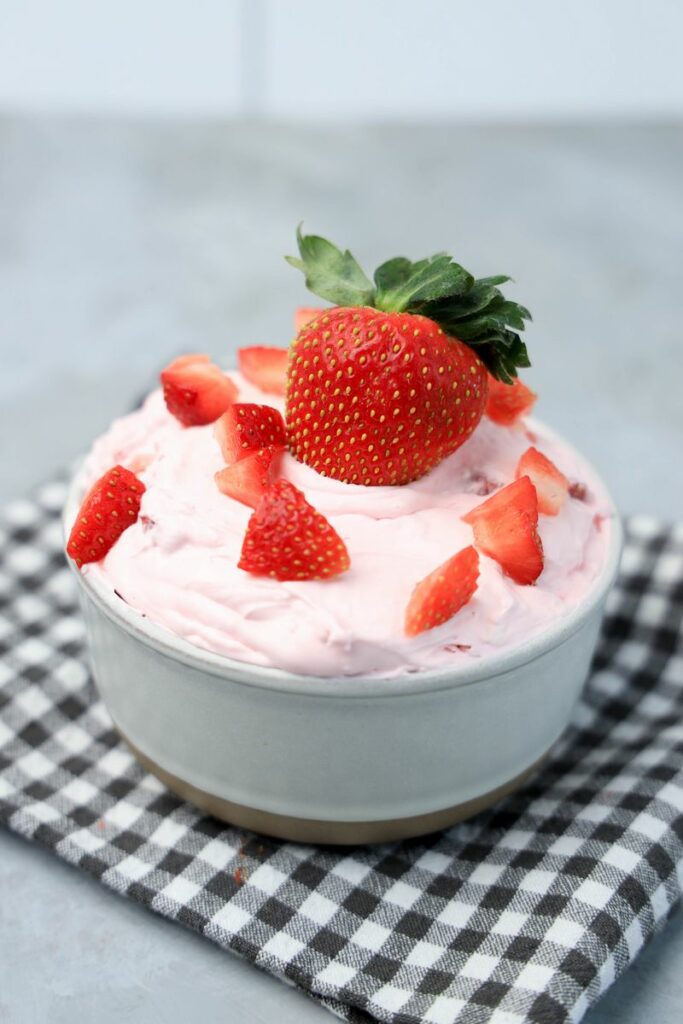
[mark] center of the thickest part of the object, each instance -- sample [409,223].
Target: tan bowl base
[342,833]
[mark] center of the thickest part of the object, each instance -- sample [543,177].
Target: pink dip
[178,563]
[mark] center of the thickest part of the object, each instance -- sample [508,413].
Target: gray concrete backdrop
[122,244]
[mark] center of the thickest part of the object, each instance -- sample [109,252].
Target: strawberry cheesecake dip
[374,500]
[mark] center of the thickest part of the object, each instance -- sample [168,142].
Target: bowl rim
[409,683]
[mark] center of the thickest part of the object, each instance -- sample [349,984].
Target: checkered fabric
[526,913]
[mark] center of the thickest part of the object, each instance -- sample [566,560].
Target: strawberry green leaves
[488,322]
[330,273]
[401,284]
[474,311]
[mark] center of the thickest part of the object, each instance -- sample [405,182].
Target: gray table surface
[122,244]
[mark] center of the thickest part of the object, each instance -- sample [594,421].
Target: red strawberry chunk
[109,508]
[507,402]
[552,486]
[247,479]
[444,592]
[290,540]
[305,315]
[245,428]
[196,391]
[505,529]
[266,367]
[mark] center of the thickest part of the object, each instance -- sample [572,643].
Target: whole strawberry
[386,384]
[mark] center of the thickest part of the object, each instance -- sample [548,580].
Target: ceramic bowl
[337,760]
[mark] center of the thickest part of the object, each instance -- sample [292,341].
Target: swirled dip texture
[178,563]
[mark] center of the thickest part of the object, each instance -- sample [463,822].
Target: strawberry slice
[196,391]
[304,315]
[444,592]
[505,528]
[552,486]
[111,505]
[245,428]
[247,479]
[290,540]
[507,402]
[266,367]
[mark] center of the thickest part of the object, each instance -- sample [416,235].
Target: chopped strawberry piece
[265,367]
[304,315]
[551,485]
[507,402]
[247,479]
[290,540]
[196,391]
[444,592]
[246,427]
[505,529]
[109,508]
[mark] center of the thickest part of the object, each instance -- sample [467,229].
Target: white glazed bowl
[337,760]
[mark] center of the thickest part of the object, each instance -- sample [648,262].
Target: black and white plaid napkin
[526,913]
